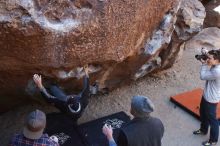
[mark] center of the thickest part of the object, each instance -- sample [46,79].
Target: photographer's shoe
[209,143]
[199,132]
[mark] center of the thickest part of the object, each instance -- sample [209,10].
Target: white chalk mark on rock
[65,25]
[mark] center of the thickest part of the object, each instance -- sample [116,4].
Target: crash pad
[190,101]
[86,134]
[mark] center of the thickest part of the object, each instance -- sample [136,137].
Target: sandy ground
[178,124]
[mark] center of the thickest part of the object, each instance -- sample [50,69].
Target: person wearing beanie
[142,130]
[73,105]
[32,133]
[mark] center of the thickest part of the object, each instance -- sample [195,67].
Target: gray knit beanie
[142,105]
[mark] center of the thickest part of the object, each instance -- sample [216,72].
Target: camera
[203,56]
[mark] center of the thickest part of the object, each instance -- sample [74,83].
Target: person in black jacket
[143,130]
[73,105]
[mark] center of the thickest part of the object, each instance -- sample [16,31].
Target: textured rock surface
[187,20]
[190,19]
[55,38]
[213,17]
[208,38]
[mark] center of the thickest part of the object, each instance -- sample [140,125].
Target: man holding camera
[210,71]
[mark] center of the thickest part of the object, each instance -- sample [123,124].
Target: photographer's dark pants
[208,117]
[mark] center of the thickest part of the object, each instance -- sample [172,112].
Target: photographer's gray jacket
[212,87]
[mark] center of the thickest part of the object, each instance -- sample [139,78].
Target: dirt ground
[178,124]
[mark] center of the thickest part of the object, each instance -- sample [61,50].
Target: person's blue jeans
[58,93]
[60,102]
[208,117]
[61,98]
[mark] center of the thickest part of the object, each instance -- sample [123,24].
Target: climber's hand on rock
[38,81]
[86,69]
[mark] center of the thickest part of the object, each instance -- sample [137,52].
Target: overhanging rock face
[56,38]
[213,14]
[208,38]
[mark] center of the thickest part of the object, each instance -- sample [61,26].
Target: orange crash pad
[190,101]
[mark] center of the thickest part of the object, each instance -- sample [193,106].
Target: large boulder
[56,38]
[212,14]
[167,43]
[208,38]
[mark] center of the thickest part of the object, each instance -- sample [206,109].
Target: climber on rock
[73,105]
